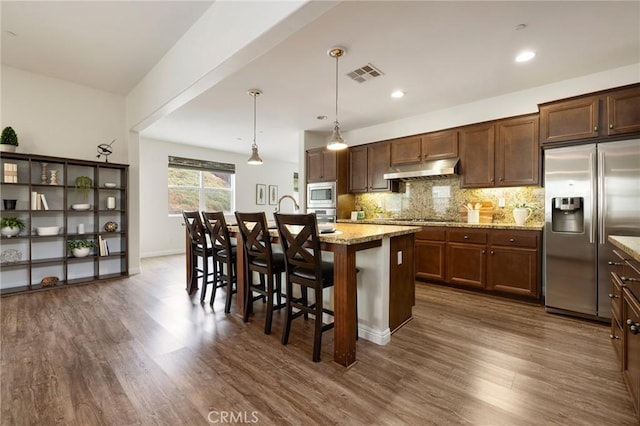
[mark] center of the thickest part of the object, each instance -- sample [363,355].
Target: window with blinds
[200,185]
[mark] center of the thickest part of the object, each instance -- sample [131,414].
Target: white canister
[354,215]
[111,203]
[81,228]
[473,216]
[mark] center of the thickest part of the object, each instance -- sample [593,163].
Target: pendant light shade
[336,142]
[255,157]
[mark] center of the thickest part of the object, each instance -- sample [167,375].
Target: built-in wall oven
[322,195]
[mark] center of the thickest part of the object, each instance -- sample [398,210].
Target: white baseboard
[379,337]
[161,253]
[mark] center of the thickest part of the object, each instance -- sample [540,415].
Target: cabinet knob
[616,263]
[466,237]
[611,126]
[512,240]
[634,327]
[500,179]
[613,296]
[484,251]
[491,252]
[613,337]
[595,128]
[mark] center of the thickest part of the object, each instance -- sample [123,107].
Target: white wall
[161,234]
[62,119]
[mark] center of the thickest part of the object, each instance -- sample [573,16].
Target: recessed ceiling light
[10,33]
[321,117]
[397,94]
[525,56]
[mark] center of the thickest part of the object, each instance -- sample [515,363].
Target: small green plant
[83,186]
[11,222]
[74,244]
[523,206]
[9,137]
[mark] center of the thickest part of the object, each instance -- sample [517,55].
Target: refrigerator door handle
[601,198]
[592,190]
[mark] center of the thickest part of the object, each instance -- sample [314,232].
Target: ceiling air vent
[365,73]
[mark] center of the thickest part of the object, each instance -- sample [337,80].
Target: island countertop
[391,221]
[629,245]
[352,233]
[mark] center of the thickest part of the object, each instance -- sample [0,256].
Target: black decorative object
[106,150]
[111,226]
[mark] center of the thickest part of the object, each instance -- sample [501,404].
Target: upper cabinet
[322,165]
[429,146]
[501,153]
[610,113]
[367,165]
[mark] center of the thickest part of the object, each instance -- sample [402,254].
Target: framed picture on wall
[273,194]
[261,193]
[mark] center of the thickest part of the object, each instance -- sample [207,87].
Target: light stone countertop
[351,233]
[629,245]
[525,227]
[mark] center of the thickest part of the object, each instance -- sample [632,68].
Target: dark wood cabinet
[425,147]
[631,344]
[401,282]
[501,260]
[477,156]
[517,161]
[466,253]
[513,263]
[570,120]
[623,111]
[322,165]
[439,145]
[430,253]
[367,166]
[406,151]
[595,116]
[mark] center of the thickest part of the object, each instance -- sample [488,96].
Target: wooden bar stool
[304,268]
[260,258]
[200,249]
[224,253]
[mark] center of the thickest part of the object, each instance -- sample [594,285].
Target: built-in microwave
[321,194]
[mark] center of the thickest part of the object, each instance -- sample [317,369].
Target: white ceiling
[441,53]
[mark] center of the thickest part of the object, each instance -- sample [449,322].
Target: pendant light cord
[337,56]
[254,120]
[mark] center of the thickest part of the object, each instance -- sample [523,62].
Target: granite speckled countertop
[351,233]
[526,227]
[629,245]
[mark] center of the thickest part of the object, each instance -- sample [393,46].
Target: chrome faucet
[289,197]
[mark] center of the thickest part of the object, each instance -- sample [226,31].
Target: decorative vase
[54,177]
[43,173]
[81,251]
[10,232]
[5,147]
[9,204]
[521,215]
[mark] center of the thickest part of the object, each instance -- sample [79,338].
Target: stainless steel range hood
[428,169]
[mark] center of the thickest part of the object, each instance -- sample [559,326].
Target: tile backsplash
[443,197]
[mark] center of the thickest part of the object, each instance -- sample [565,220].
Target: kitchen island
[382,287]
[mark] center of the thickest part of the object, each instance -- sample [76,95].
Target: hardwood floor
[141,351]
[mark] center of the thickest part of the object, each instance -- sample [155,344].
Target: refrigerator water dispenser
[567,214]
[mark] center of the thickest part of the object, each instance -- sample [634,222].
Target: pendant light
[255,157]
[336,142]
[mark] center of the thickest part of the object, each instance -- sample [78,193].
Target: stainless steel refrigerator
[591,191]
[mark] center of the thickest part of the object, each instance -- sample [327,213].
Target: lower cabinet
[506,261]
[631,344]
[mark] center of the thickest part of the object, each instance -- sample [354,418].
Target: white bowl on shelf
[47,230]
[80,206]
[109,185]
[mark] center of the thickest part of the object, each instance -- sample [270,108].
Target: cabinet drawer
[432,234]
[616,297]
[514,239]
[468,236]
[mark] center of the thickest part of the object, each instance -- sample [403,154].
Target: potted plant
[11,226]
[83,186]
[8,140]
[521,213]
[80,248]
